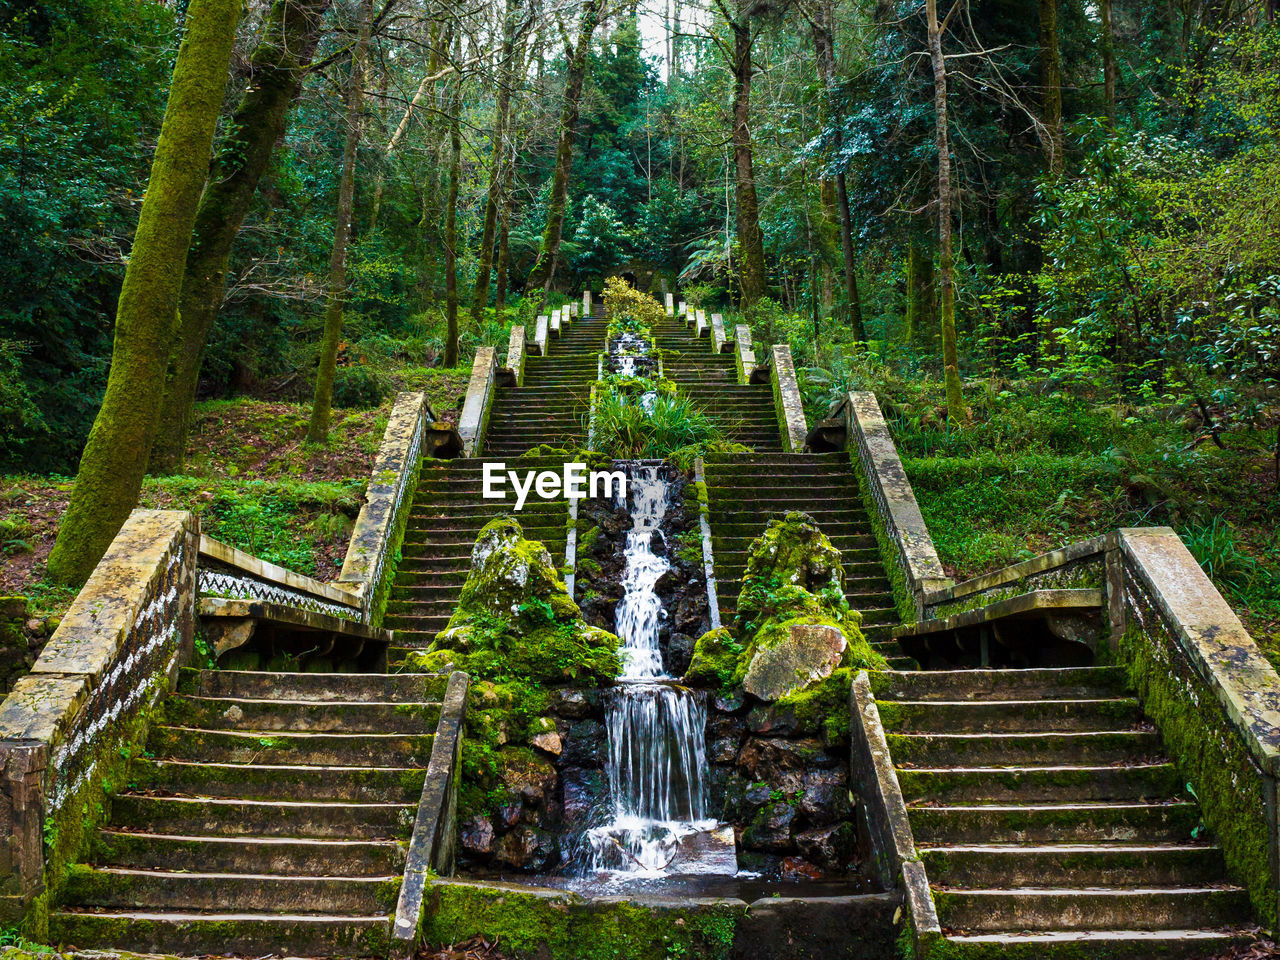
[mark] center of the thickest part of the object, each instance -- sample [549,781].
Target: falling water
[657,753]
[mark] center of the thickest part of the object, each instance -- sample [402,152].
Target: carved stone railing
[719,342]
[431,846]
[225,571]
[479,400]
[515,354]
[744,357]
[905,545]
[68,727]
[786,400]
[540,334]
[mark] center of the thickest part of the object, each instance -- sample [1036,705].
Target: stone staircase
[1048,819]
[746,490]
[744,412]
[269,812]
[447,515]
[553,404]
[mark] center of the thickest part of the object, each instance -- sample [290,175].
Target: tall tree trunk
[823,24]
[543,267]
[285,47]
[1051,84]
[1108,61]
[921,295]
[505,78]
[751,269]
[451,217]
[336,294]
[115,455]
[946,259]
[504,235]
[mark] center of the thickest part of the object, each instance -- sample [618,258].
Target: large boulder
[807,652]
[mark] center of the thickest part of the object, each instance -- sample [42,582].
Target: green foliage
[652,427]
[358,386]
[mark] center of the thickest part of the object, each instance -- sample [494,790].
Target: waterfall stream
[657,745]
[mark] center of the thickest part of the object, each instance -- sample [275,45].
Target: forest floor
[250,474]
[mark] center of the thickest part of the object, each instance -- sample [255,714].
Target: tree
[285,48]
[1051,85]
[451,212]
[946,260]
[576,54]
[115,457]
[336,291]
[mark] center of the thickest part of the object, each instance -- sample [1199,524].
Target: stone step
[186,778]
[201,934]
[1141,908]
[1039,784]
[123,888]
[1070,683]
[1105,865]
[902,663]
[990,749]
[276,855]
[851,521]
[454,575]
[1180,944]
[305,749]
[269,716]
[733,550]
[1008,716]
[325,687]
[749,532]
[270,818]
[1056,823]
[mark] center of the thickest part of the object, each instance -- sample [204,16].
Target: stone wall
[68,727]
[18,652]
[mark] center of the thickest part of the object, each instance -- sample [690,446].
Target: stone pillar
[744,356]
[786,400]
[475,409]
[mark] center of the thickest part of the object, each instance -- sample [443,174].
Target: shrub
[358,387]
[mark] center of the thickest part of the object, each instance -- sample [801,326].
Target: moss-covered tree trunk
[285,47]
[451,217]
[920,313]
[751,270]
[480,298]
[588,20]
[115,456]
[946,258]
[336,290]
[504,242]
[1051,85]
[1107,40]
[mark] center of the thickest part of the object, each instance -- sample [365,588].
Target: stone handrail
[69,725]
[1078,565]
[431,844]
[379,528]
[708,547]
[475,408]
[888,825]
[586,303]
[225,571]
[700,326]
[557,316]
[515,354]
[744,357]
[671,304]
[718,339]
[786,400]
[540,335]
[905,544]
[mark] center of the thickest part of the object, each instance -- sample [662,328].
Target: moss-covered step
[124,888]
[313,856]
[276,782]
[989,749]
[1055,823]
[1040,784]
[1009,716]
[244,934]
[271,716]
[324,749]
[1181,944]
[327,687]
[1070,683]
[185,816]
[1141,908]
[1072,865]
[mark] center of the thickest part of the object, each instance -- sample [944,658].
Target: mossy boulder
[793,626]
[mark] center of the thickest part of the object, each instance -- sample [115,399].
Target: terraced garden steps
[1048,819]
[744,412]
[270,812]
[746,490]
[444,521]
[553,404]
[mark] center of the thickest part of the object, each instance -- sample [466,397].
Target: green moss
[1209,752]
[822,706]
[715,660]
[902,596]
[564,926]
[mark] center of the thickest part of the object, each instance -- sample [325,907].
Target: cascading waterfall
[657,752]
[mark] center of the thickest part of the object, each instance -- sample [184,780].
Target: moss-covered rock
[793,625]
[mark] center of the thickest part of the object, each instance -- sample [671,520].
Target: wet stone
[724,750]
[831,847]
[476,836]
[570,704]
[586,745]
[770,829]
[825,797]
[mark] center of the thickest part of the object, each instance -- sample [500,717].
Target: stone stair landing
[1049,821]
[269,813]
